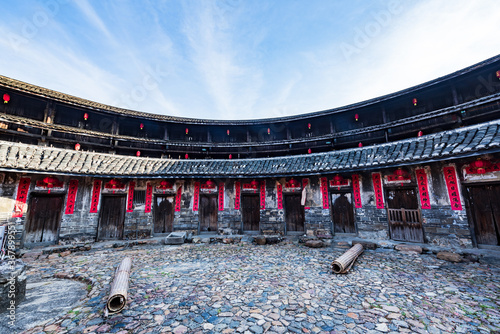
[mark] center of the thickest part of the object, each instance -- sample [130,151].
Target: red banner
[262,195]
[130,199]
[196,196]
[237,195]
[356,191]
[423,188]
[377,187]
[22,196]
[324,193]
[221,196]
[452,184]
[96,191]
[70,201]
[149,198]
[178,199]
[279,195]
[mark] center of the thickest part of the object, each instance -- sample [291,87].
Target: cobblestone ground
[219,288]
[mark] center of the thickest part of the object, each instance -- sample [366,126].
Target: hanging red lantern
[293,183]
[498,75]
[187,130]
[141,126]
[6,98]
[309,151]
[186,156]
[360,144]
[420,134]
[400,173]
[165,185]
[254,184]
[481,165]
[227,132]
[268,131]
[309,126]
[85,116]
[356,117]
[50,182]
[230,156]
[138,153]
[414,101]
[337,179]
[77,147]
[210,184]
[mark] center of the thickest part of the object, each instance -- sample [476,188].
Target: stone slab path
[284,288]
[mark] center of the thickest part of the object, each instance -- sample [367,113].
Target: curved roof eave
[84,103]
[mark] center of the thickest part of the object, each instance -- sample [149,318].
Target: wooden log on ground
[119,288]
[342,264]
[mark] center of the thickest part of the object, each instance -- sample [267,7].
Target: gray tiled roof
[472,140]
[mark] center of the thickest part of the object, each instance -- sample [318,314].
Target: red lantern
[85,116]
[356,117]
[6,98]
[77,147]
[400,173]
[50,182]
[268,131]
[186,156]
[293,183]
[420,134]
[227,132]
[141,126]
[309,126]
[309,151]
[337,179]
[254,184]
[481,165]
[360,144]
[138,153]
[210,184]
[414,102]
[498,75]
[230,156]
[187,130]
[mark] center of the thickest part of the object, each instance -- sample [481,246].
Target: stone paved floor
[219,288]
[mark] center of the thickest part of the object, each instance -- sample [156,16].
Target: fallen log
[119,288]
[344,263]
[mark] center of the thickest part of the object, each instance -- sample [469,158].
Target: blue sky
[236,59]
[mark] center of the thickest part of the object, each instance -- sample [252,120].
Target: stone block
[408,248]
[175,238]
[260,240]
[196,240]
[449,256]
[314,243]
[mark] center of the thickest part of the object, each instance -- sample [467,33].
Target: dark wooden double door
[111,217]
[44,219]
[208,213]
[342,213]
[164,214]
[403,213]
[484,205]
[294,213]
[250,211]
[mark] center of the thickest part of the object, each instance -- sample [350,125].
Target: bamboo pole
[342,264]
[119,288]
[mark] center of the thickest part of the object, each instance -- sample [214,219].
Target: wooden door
[343,213]
[405,220]
[164,214]
[485,212]
[112,217]
[250,206]
[44,219]
[208,213]
[294,213]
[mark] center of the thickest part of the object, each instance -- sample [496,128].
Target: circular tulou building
[418,165]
